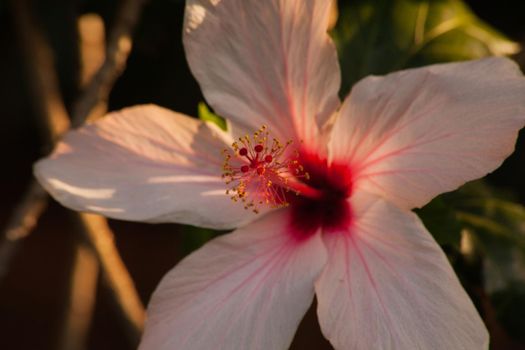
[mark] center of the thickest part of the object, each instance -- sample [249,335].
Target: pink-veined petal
[388,285]
[265,62]
[414,134]
[144,163]
[245,290]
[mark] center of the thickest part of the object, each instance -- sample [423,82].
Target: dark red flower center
[262,171]
[330,209]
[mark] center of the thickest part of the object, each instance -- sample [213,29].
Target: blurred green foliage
[476,206]
[498,225]
[381,36]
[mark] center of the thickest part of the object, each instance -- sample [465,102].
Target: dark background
[32,295]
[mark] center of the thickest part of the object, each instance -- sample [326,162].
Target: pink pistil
[263,172]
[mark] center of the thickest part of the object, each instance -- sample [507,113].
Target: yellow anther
[258,170]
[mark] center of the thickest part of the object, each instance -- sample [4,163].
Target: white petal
[245,290]
[388,285]
[265,62]
[412,135]
[144,163]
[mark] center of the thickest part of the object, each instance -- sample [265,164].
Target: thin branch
[41,70]
[22,222]
[115,274]
[53,112]
[80,300]
[40,66]
[119,47]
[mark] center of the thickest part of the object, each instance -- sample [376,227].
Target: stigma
[262,171]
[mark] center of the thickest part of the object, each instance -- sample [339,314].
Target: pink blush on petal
[329,211]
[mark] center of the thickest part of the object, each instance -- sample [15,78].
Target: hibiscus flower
[322,189]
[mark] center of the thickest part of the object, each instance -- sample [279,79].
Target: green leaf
[381,36]
[195,237]
[206,115]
